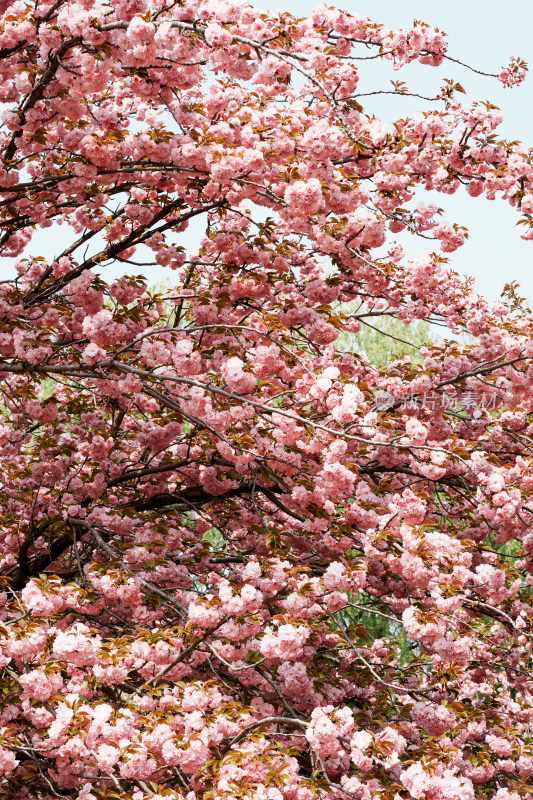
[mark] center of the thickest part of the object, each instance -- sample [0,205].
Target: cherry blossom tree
[205,498]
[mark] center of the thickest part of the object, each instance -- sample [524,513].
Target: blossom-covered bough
[206,517]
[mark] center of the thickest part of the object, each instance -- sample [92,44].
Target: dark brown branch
[162,502]
[38,91]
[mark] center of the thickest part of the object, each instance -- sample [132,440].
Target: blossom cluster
[238,558]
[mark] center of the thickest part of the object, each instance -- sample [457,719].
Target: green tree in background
[385,337]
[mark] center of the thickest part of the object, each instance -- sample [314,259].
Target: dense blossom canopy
[239,560]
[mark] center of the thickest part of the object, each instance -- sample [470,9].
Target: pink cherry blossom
[265,509]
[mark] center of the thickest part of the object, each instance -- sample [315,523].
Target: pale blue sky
[484,34]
